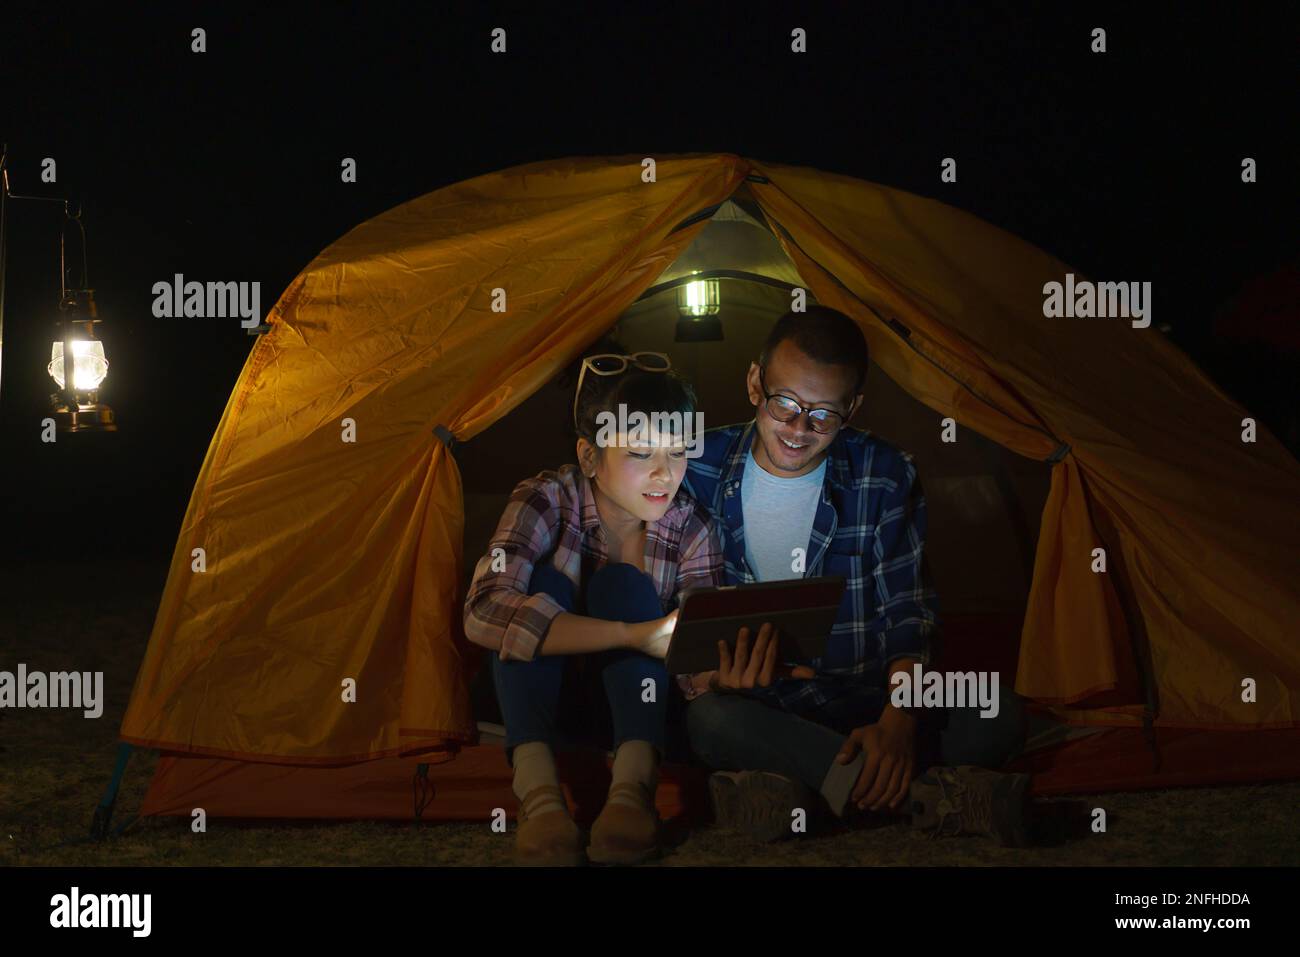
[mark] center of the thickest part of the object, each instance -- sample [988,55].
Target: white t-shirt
[778,514]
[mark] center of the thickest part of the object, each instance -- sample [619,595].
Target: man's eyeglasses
[785,409]
[609,363]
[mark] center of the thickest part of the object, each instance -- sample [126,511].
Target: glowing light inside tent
[700,297]
[88,364]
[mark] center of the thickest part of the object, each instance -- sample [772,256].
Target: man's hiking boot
[759,804]
[548,839]
[971,800]
[623,834]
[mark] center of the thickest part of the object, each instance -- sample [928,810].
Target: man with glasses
[798,493]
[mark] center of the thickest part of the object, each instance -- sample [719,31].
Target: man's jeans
[556,699]
[735,732]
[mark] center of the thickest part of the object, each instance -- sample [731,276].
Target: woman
[589,560]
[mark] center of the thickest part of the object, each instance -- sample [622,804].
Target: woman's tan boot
[624,834]
[548,839]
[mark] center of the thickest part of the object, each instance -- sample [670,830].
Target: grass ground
[54,765]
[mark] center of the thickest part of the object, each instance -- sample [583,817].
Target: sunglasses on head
[610,363]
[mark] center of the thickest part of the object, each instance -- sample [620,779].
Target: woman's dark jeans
[556,698]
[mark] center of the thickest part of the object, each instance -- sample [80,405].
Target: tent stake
[104,812]
[423,790]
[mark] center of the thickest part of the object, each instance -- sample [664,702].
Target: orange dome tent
[327,561]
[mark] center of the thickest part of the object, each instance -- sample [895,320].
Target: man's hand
[756,669]
[889,746]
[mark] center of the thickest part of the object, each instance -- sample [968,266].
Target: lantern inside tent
[699,297]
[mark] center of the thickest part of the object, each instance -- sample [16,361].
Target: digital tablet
[802,609]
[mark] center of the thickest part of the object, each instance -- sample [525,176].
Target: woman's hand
[651,637]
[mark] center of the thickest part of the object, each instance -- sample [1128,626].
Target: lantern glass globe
[699,297]
[89,366]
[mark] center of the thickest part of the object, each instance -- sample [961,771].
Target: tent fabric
[327,561]
[734,241]
[465,784]
[1122,759]
[470,784]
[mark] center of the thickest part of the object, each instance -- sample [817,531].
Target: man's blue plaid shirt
[869,528]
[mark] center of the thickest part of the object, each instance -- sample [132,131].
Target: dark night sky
[226,166]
